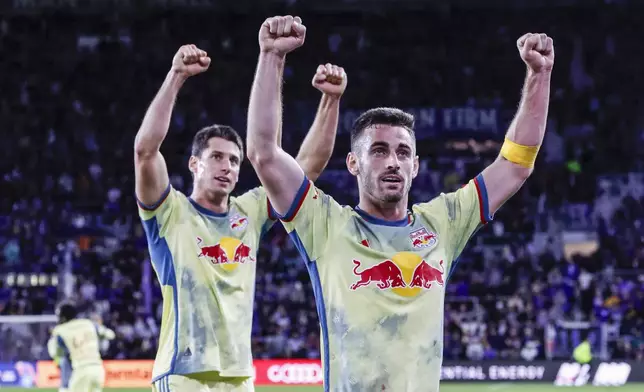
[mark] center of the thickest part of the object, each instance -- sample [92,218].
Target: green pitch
[490,387]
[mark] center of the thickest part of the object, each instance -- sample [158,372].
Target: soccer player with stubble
[204,246]
[379,269]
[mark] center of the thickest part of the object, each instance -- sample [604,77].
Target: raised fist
[190,60]
[537,51]
[281,34]
[330,80]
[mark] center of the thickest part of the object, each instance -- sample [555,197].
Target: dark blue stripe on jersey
[319,303]
[164,267]
[62,345]
[158,203]
[378,221]
[166,381]
[297,201]
[206,211]
[485,204]
[272,214]
[65,367]
[481,190]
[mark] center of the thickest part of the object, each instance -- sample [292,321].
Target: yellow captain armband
[519,154]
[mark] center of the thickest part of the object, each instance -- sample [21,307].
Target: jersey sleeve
[52,347]
[312,220]
[165,211]
[460,213]
[256,206]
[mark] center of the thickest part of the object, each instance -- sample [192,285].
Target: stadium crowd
[79,86]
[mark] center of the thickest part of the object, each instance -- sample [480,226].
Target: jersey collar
[208,212]
[377,221]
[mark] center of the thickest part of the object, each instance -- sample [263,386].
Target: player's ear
[352,163]
[193,163]
[416,167]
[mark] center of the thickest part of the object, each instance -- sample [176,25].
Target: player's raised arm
[317,147]
[279,172]
[507,174]
[150,169]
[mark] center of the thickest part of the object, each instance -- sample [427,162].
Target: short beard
[395,198]
[372,189]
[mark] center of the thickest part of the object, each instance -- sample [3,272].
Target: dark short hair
[67,311]
[200,141]
[381,116]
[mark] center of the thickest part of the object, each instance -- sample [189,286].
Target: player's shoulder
[178,196]
[257,194]
[438,202]
[56,330]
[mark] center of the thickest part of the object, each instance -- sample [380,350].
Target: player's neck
[215,203]
[387,211]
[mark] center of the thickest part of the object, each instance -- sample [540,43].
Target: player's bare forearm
[504,178]
[529,125]
[318,144]
[156,122]
[150,168]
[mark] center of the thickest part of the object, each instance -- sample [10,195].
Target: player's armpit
[312,219]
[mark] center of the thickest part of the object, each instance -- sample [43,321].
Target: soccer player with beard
[204,246]
[379,270]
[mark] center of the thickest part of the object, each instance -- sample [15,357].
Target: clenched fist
[537,51]
[330,80]
[190,60]
[281,34]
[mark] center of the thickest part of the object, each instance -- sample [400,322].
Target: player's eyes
[404,153]
[380,151]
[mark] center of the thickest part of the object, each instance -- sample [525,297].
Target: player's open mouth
[223,179]
[391,179]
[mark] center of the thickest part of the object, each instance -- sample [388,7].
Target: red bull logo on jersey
[423,238]
[228,254]
[406,274]
[238,222]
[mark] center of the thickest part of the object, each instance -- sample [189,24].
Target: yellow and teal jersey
[206,264]
[380,285]
[78,340]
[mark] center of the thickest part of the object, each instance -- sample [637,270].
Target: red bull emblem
[422,238]
[384,275]
[228,253]
[238,222]
[406,274]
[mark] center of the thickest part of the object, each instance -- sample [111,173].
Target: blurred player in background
[77,340]
[204,247]
[379,270]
